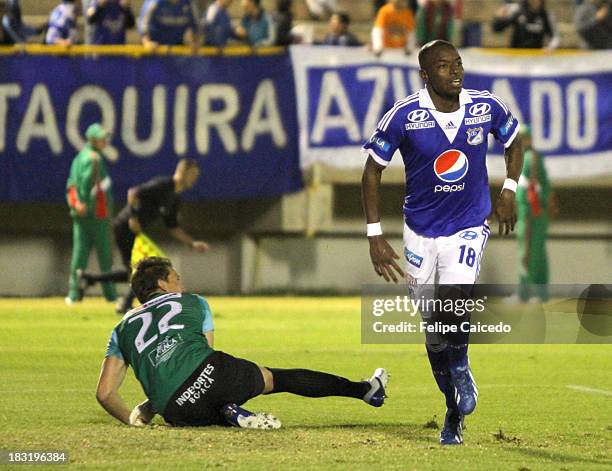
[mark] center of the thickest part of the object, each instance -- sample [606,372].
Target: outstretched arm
[381,253]
[506,208]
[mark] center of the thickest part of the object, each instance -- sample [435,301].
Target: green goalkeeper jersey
[89,176]
[163,341]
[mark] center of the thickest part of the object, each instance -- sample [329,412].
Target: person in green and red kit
[90,199]
[536,203]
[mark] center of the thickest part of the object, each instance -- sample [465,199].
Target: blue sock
[438,359]
[457,355]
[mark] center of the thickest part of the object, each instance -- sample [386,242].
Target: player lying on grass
[168,342]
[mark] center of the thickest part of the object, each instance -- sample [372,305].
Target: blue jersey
[217,26]
[166,21]
[62,24]
[447,186]
[111,21]
[260,30]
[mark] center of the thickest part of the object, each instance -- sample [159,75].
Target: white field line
[586,389]
[43,390]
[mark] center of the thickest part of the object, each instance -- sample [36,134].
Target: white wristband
[374,229]
[510,184]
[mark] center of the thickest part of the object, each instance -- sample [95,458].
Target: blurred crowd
[395,24]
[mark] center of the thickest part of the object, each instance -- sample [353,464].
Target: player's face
[445,72]
[173,284]
[99,144]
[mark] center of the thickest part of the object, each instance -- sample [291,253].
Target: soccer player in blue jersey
[441,132]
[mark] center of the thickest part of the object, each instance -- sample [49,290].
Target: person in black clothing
[593,20]
[157,198]
[531,22]
[12,28]
[283,22]
[338,34]
[110,20]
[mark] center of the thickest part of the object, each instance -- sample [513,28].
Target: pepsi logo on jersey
[450,167]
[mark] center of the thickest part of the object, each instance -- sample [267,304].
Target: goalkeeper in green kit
[168,342]
[90,199]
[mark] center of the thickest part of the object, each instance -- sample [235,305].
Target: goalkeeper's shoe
[452,432]
[240,417]
[466,392]
[378,382]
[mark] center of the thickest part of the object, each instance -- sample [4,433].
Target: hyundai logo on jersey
[479,109]
[469,235]
[418,116]
[412,258]
[451,166]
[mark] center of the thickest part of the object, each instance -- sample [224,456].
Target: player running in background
[157,198]
[168,342]
[441,132]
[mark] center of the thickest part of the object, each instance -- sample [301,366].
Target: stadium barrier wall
[38,266]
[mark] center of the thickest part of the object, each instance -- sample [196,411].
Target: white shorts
[453,259]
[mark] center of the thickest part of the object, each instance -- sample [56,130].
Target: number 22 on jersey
[163,325]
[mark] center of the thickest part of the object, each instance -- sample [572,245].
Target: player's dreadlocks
[148,272]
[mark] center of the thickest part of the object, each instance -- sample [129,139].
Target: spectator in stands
[320,9]
[594,23]
[393,28]
[62,28]
[13,29]
[169,22]
[378,4]
[4,36]
[435,20]
[531,22]
[110,19]
[283,21]
[256,26]
[339,34]
[217,24]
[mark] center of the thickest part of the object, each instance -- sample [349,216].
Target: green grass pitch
[527,417]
